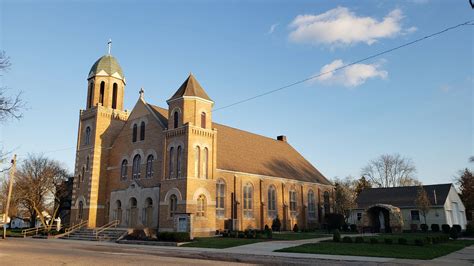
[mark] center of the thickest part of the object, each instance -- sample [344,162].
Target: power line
[346,65]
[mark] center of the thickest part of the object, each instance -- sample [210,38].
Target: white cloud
[351,76]
[340,26]
[272,28]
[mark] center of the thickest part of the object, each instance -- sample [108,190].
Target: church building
[174,169]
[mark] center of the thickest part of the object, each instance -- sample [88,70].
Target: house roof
[246,152]
[190,87]
[402,196]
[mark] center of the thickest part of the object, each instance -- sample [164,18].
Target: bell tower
[99,125]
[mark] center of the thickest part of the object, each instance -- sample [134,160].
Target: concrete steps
[88,234]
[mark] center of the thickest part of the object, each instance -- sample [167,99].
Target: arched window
[134,134]
[327,206]
[149,166]
[205,164]
[87,163]
[87,140]
[132,213]
[147,213]
[136,166]
[248,201]
[80,212]
[272,209]
[179,161]
[220,198]
[123,170]
[101,95]
[176,119]
[293,201]
[311,205]
[173,204]
[118,211]
[91,91]
[171,163]
[83,174]
[142,131]
[203,120]
[201,206]
[197,161]
[114,96]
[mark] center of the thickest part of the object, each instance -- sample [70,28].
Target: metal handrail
[25,232]
[101,229]
[73,228]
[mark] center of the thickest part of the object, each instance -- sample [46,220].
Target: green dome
[109,64]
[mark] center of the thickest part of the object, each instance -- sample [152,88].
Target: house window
[149,166]
[272,210]
[359,216]
[136,166]
[203,120]
[415,215]
[134,133]
[293,202]
[114,96]
[205,164]
[327,206]
[101,95]
[201,206]
[197,161]
[179,160]
[80,212]
[311,205]
[123,170]
[87,140]
[142,131]
[176,119]
[248,201]
[220,198]
[173,204]
[171,163]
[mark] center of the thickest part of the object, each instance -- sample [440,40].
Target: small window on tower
[134,134]
[114,96]
[142,131]
[87,139]
[102,92]
[203,120]
[176,119]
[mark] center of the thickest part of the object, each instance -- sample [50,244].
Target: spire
[109,45]
[191,87]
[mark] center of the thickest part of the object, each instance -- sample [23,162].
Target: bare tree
[422,201]
[10,106]
[36,187]
[344,195]
[391,170]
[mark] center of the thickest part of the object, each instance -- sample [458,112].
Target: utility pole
[10,187]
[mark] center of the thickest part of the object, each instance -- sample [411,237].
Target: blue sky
[417,101]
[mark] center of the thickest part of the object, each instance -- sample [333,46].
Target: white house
[379,207]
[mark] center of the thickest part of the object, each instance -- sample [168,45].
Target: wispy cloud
[340,26]
[351,76]
[272,28]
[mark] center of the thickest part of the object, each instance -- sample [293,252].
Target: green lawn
[298,236]
[382,250]
[220,242]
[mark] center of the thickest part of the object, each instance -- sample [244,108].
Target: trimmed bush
[413,228]
[402,241]
[435,228]
[424,227]
[353,228]
[276,224]
[345,227]
[359,239]
[347,239]
[419,242]
[469,229]
[241,234]
[336,236]
[388,241]
[454,233]
[374,241]
[269,233]
[295,228]
[225,234]
[446,228]
[267,227]
[458,227]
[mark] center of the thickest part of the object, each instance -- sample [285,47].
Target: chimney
[282,138]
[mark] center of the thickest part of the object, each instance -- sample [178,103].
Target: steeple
[191,88]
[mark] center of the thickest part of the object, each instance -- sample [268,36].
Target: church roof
[246,152]
[402,196]
[107,63]
[190,87]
